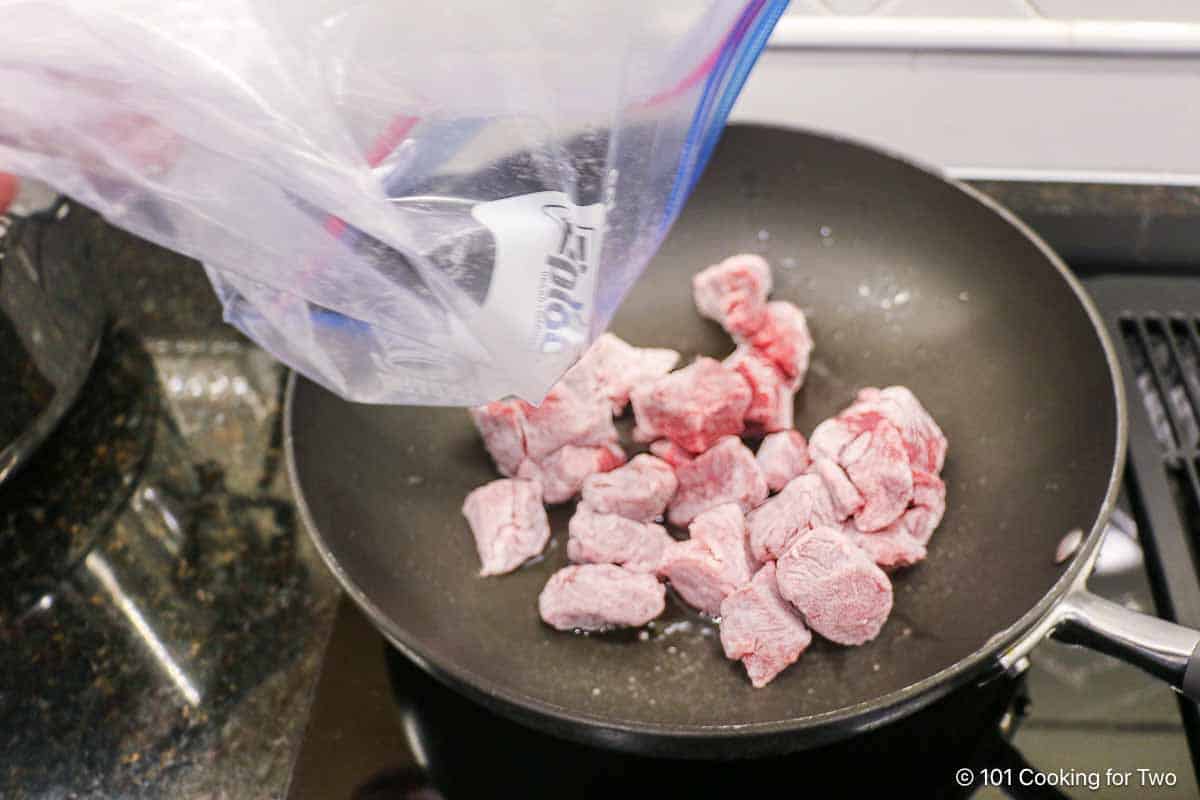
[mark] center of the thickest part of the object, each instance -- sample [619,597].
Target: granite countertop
[169,624]
[171,646]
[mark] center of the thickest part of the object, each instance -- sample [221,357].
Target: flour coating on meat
[596,597]
[509,523]
[639,490]
[761,629]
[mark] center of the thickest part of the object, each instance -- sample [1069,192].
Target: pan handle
[1167,651]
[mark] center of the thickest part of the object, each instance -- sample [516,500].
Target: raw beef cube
[595,597]
[574,412]
[618,366]
[890,549]
[501,424]
[781,457]
[803,504]
[759,627]
[563,472]
[723,531]
[846,499]
[923,440]
[835,586]
[611,539]
[925,514]
[877,464]
[509,523]
[784,340]
[772,395]
[713,563]
[734,293]
[670,452]
[639,490]
[727,473]
[692,407]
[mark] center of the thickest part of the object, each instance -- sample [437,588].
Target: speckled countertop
[168,644]
[168,621]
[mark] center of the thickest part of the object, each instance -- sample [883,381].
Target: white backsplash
[1073,89]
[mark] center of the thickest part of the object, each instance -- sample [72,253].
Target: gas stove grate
[1156,323]
[1164,354]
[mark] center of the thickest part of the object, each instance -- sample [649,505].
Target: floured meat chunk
[781,457]
[877,464]
[762,629]
[846,499]
[611,539]
[713,563]
[618,367]
[575,412]
[924,442]
[870,451]
[925,514]
[595,597]
[772,394]
[509,523]
[563,472]
[734,293]
[804,503]
[670,452]
[835,586]
[501,424]
[890,549]
[884,442]
[693,407]
[639,490]
[784,340]
[727,473]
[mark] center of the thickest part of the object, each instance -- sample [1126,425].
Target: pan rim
[849,719]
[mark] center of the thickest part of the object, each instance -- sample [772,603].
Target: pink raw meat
[574,412]
[563,472]
[877,464]
[846,499]
[835,586]
[772,395]
[781,457]
[803,504]
[618,367]
[639,490]
[925,514]
[692,407]
[596,597]
[923,439]
[783,339]
[734,292]
[610,539]
[890,549]
[501,424]
[871,452]
[509,523]
[713,563]
[670,452]
[727,473]
[759,627]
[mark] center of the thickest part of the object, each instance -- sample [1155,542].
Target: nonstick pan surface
[906,279]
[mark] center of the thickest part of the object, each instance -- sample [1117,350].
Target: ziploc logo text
[565,311]
[541,296]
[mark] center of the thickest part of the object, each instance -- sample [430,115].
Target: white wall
[995,88]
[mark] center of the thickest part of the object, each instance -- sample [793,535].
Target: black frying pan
[907,279]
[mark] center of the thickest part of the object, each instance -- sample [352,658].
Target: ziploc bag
[437,203]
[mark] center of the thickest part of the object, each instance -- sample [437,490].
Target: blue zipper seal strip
[736,60]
